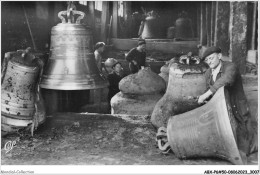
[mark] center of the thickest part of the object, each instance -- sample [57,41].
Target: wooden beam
[115,19]
[238,34]
[104,20]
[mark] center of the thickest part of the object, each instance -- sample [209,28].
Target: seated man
[114,78]
[136,57]
[222,73]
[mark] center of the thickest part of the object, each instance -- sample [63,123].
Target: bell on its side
[71,65]
[207,131]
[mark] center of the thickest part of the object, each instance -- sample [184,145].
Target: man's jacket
[137,56]
[230,77]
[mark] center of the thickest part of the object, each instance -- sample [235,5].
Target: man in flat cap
[137,56]
[224,73]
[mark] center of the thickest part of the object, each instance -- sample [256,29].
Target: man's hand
[204,97]
[135,63]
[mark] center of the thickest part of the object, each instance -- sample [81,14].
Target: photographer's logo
[9,146]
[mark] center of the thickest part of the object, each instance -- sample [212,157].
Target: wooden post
[198,20]
[127,10]
[104,20]
[208,22]
[203,32]
[254,26]
[91,9]
[222,26]
[115,20]
[238,34]
[213,20]
[201,23]
[127,17]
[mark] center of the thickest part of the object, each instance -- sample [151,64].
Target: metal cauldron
[71,65]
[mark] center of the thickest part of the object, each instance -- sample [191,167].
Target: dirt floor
[84,139]
[95,139]
[68,138]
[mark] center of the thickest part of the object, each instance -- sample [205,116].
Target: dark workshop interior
[64,102]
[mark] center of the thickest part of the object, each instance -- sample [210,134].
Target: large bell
[207,131]
[18,93]
[183,28]
[71,65]
[186,82]
[152,27]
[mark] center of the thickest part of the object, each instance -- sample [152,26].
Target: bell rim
[73,86]
[20,117]
[15,121]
